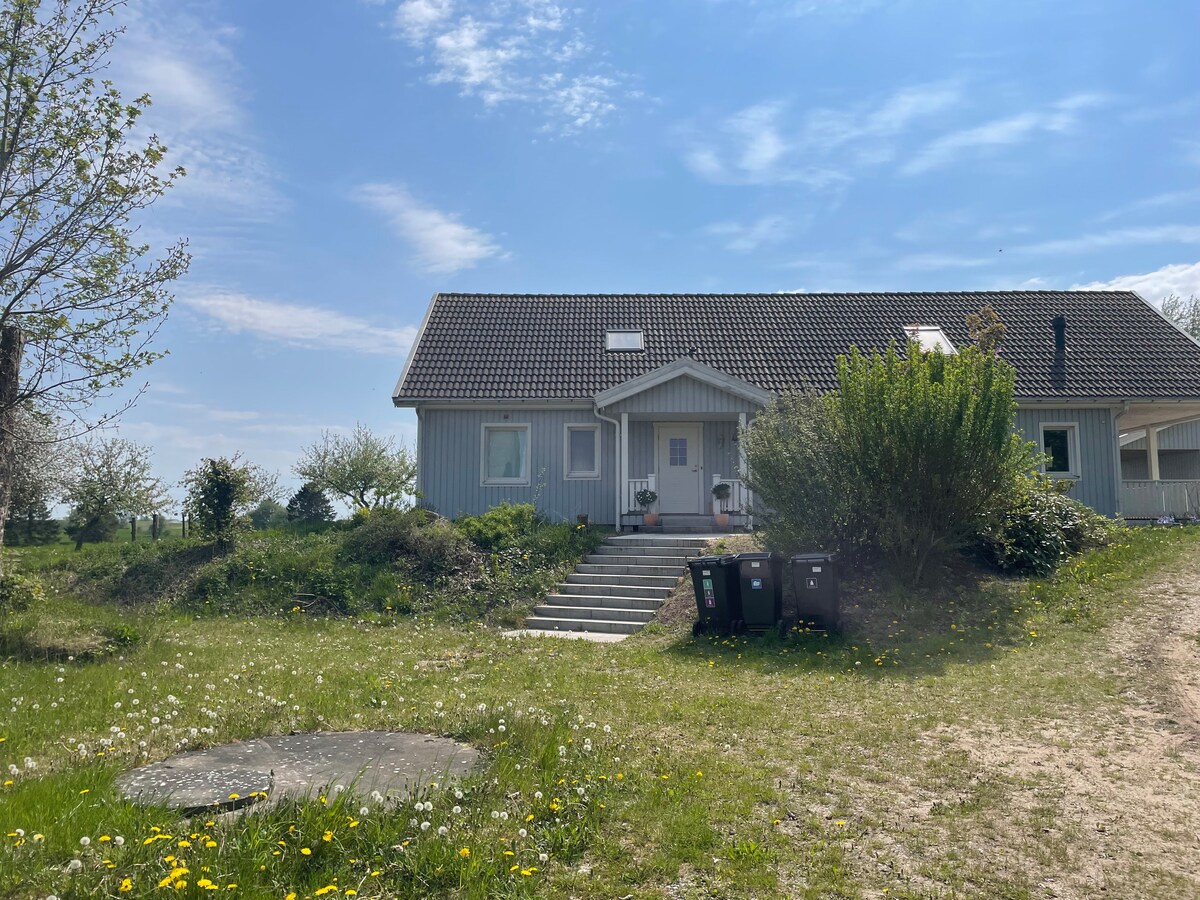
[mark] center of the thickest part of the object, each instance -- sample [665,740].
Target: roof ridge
[978,292]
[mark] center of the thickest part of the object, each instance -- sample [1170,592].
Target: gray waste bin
[715,582]
[814,582]
[760,583]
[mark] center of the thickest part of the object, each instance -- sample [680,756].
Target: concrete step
[627,569]
[609,613]
[671,543]
[681,529]
[647,603]
[614,590]
[634,559]
[658,581]
[544,623]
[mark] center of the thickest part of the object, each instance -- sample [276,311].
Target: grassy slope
[815,768]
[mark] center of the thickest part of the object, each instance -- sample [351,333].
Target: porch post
[1152,452]
[624,466]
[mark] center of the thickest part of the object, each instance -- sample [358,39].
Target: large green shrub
[1040,528]
[909,459]
[501,526]
[19,592]
[415,539]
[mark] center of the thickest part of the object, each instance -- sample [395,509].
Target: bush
[1041,528]
[417,540]
[18,593]
[501,526]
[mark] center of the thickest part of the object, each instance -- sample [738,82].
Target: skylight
[929,338]
[624,339]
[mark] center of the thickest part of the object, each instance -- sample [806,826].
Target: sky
[348,159]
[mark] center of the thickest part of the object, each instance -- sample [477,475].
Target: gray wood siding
[449,448]
[683,395]
[1097,439]
[1177,437]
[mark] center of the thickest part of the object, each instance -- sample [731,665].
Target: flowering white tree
[365,470]
[114,481]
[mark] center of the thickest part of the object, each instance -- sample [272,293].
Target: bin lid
[815,556]
[723,559]
[757,556]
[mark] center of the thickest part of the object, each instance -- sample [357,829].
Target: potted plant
[647,498]
[721,491]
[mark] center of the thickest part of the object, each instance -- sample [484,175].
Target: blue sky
[348,159]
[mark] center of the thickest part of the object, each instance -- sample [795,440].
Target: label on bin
[816,568]
[709,600]
[811,582]
[755,565]
[705,572]
[756,584]
[706,584]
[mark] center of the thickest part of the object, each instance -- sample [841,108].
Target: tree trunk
[12,344]
[133,529]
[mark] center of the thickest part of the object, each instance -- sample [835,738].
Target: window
[677,452]
[505,454]
[628,339]
[582,451]
[1059,445]
[929,338]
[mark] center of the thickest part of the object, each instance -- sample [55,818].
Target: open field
[1022,739]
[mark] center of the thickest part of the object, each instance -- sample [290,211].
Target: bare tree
[80,298]
[1184,313]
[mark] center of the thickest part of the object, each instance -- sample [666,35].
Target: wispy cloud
[1153,204]
[1120,237]
[188,63]
[442,243]
[743,238]
[935,262]
[290,323]
[1057,118]
[514,51]
[764,144]
[1181,278]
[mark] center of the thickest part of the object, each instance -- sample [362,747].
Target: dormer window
[625,339]
[929,338]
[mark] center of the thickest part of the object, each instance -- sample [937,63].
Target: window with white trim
[1061,446]
[581,451]
[627,339]
[929,338]
[504,455]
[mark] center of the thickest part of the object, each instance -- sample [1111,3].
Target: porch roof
[688,372]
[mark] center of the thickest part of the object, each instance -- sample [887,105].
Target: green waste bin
[814,581]
[760,586]
[715,582]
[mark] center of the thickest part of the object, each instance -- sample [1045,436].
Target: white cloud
[1059,117]
[821,148]
[934,262]
[513,51]
[187,62]
[1153,203]
[442,243]
[304,326]
[1122,237]
[747,238]
[1181,278]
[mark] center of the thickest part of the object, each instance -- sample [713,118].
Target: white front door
[679,468]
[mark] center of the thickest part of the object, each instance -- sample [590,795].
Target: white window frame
[611,332]
[930,338]
[523,480]
[1072,430]
[568,474]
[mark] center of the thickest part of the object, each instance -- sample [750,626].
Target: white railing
[1151,499]
[632,486]
[739,495]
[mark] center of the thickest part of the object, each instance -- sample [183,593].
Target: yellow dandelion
[464,852]
[304,851]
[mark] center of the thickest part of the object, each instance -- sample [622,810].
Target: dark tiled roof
[499,346]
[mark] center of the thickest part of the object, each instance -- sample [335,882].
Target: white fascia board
[412,352]
[678,368]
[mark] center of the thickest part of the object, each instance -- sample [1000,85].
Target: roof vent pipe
[1060,334]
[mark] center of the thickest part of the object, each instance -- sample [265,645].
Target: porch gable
[684,387]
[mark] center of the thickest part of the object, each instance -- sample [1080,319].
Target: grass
[811,767]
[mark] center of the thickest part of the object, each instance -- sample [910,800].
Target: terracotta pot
[651,518]
[722,519]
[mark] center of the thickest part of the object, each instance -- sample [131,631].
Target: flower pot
[651,518]
[722,519]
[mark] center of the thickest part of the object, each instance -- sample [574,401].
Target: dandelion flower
[464,852]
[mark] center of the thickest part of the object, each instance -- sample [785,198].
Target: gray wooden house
[577,402]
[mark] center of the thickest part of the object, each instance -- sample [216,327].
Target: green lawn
[899,761]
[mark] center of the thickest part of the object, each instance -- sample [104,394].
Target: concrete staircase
[618,588]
